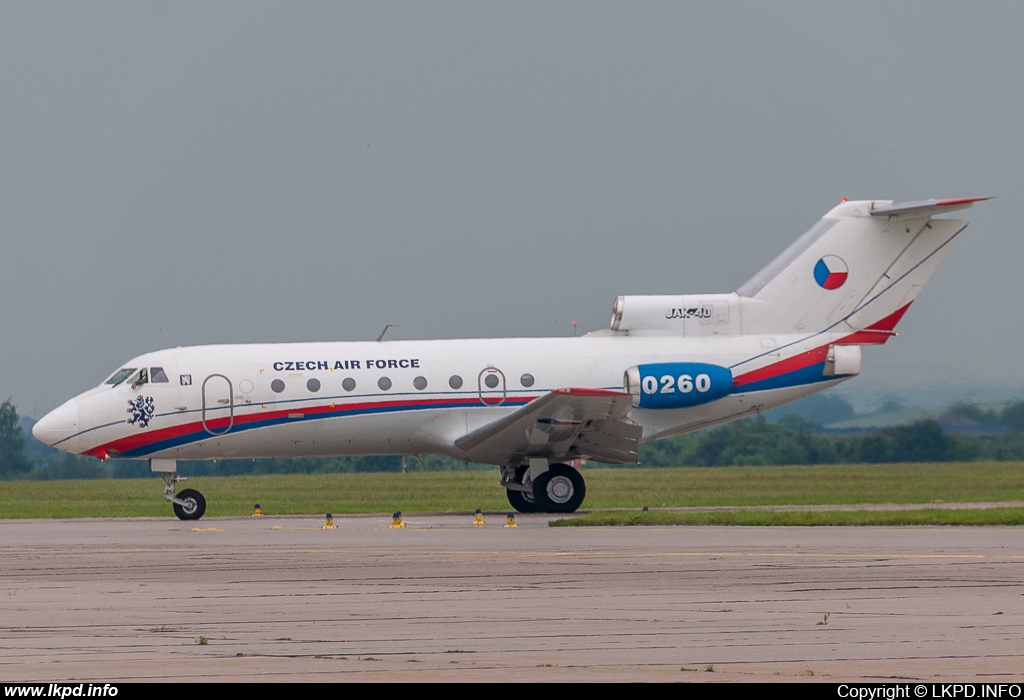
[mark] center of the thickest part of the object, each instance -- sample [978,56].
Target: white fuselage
[399,397]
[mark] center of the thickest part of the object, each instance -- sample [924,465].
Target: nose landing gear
[188,504]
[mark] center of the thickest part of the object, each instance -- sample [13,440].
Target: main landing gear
[543,488]
[188,504]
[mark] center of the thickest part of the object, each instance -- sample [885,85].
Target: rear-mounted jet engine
[677,384]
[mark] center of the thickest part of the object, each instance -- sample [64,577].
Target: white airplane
[667,365]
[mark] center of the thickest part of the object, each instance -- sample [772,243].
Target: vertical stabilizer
[857,269]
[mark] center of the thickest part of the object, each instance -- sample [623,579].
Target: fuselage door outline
[491,387]
[219,404]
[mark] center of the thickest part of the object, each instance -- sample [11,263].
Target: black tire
[560,489]
[521,501]
[194,508]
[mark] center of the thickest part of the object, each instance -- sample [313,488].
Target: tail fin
[856,270]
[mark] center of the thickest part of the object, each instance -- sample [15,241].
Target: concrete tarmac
[280,599]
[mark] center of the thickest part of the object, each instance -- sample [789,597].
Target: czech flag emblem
[831,272]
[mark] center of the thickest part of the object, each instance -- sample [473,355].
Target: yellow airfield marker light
[396,521]
[478,519]
[511,520]
[329,525]
[257,512]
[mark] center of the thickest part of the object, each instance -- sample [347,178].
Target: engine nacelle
[677,384]
[683,314]
[842,361]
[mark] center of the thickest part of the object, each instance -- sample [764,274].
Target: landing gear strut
[188,504]
[522,500]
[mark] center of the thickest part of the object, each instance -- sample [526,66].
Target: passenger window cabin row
[491,381]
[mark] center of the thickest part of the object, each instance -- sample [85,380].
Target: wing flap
[600,434]
[624,429]
[563,424]
[605,454]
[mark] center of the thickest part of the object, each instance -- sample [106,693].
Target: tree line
[793,439]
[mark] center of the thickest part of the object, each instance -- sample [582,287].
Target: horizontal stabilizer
[561,425]
[926,207]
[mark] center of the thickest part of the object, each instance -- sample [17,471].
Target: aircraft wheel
[560,489]
[522,501]
[194,506]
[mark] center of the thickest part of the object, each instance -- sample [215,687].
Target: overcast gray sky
[188,173]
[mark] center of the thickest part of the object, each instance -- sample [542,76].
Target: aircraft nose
[59,427]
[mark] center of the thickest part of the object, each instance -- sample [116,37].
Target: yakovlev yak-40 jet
[667,365]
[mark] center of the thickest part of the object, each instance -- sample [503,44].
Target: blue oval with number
[682,384]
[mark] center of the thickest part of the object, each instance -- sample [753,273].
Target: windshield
[120,375]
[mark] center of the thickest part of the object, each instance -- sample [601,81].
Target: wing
[561,425]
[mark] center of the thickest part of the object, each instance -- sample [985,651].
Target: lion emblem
[140,411]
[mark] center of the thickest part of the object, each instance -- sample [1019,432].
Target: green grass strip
[839,484]
[465,491]
[277,494]
[929,516]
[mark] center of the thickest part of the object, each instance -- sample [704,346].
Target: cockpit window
[139,379]
[120,375]
[157,375]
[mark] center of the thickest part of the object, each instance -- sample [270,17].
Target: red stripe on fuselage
[875,334]
[790,364]
[132,442]
[581,391]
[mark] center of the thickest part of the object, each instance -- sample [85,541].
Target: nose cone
[59,427]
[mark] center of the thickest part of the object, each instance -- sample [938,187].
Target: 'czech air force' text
[313,365]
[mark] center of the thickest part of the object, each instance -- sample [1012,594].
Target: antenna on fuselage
[390,325]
